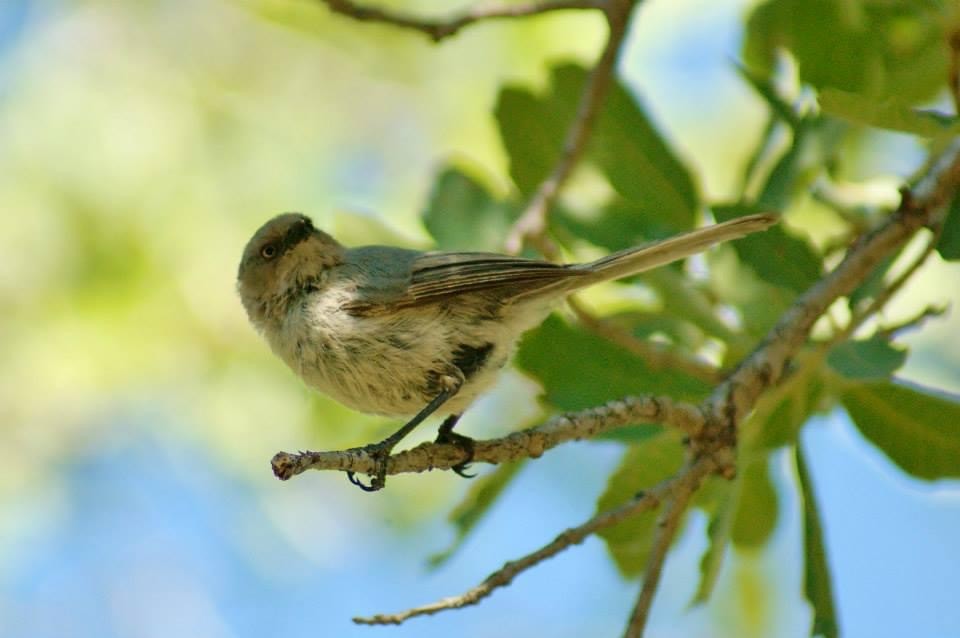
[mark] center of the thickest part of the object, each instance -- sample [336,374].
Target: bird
[406,333]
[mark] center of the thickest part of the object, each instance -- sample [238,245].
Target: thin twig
[667,527]
[532,224]
[683,483]
[529,443]
[888,293]
[930,312]
[657,357]
[440,29]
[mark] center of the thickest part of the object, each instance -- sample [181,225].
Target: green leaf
[461,214]
[642,467]
[881,49]
[817,582]
[718,537]
[483,493]
[873,358]
[783,180]
[532,129]
[772,430]
[757,506]
[766,89]
[917,429]
[949,243]
[638,163]
[625,145]
[776,257]
[619,225]
[890,113]
[579,370]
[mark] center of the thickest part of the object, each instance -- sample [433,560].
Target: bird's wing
[435,276]
[442,274]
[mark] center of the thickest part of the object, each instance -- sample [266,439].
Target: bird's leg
[445,434]
[381,451]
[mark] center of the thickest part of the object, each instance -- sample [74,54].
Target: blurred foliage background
[141,143]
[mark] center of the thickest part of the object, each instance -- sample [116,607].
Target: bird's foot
[465,443]
[380,454]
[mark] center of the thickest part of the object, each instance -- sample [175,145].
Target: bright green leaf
[817,582]
[880,49]
[891,113]
[917,429]
[718,537]
[873,358]
[625,145]
[483,493]
[642,467]
[757,507]
[781,259]
[461,215]
[532,129]
[579,369]
[638,163]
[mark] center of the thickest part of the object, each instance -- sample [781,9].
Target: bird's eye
[269,251]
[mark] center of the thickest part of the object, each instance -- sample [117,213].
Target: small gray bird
[401,332]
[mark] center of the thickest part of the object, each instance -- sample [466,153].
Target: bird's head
[284,257]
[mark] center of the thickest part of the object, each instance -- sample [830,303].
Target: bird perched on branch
[401,332]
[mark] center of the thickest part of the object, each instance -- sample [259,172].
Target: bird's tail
[658,253]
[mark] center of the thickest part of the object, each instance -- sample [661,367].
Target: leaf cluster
[891,55]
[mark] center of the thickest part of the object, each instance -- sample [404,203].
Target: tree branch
[684,483]
[440,29]
[686,486]
[531,442]
[532,224]
[922,205]
[734,398]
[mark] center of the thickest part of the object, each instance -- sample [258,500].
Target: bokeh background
[142,142]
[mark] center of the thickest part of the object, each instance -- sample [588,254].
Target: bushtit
[401,332]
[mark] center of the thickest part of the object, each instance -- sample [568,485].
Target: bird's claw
[465,443]
[378,479]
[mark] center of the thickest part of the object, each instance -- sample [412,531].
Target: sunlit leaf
[461,214]
[638,162]
[625,145]
[757,504]
[777,257]
[890,113]
[532,128]
[918,429]
[878,48]
[718,539]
